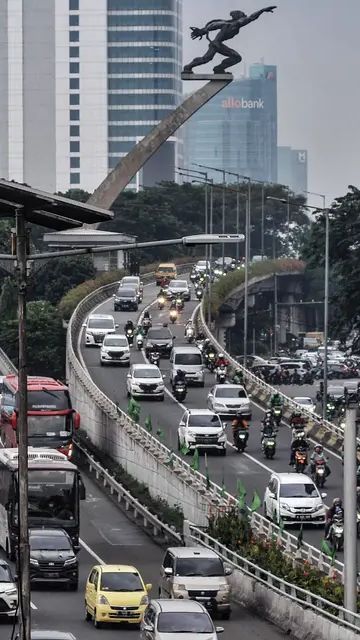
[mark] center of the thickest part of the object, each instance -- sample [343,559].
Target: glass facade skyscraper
[144,65]
[293,168]
[237,129]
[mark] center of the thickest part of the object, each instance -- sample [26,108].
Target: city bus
[51,419]
[55,489]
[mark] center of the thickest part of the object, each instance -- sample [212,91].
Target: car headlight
[34,562]
[219,405]
[284,505]
[103,600]
[222,436]
[70,561]
[224,587]
[11,592]
[191,433]
[144,600]
[319,507]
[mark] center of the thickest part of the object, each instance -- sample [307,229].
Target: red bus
[51,418]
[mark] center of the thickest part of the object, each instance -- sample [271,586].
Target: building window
[74,114]
[142,36]
[75,163]
[137,20]
[141,52]
[74,178]
[74,67]
[74,98]
[122,99]
[73,20]
[74,52]
[116,5]
[74,36]
[74,131]
[74,83]
[138,115]
[73,5]
[74,146]
[115,68]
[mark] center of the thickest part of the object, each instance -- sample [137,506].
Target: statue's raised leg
[197,62]
[232,57]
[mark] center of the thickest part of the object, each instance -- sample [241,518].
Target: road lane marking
[91,552]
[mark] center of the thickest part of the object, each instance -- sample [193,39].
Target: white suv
[97,326]
[294,499]
[145,380]
[8,591]
[115,350]
[201,429]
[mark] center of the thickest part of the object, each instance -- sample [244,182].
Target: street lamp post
[223,207]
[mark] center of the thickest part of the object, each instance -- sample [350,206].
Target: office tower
[293,168]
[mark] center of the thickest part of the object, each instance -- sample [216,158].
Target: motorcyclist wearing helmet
[318,456]
[238,377]
[173,303]
[239,423]
[147,315]
[180,376]
[221,361]
[276,400]
[297,420]
[335,510]
[358,498]
[268,429]
[298,444]
[129,326]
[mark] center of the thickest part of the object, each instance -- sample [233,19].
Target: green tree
[46,340]
[58,275]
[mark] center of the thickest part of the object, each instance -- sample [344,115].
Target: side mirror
[128,375]
[13,420]
[148,627]
[249,395]
[117,326]
[76,420]
[16,578]
[163,376]
[324,495]
[219,629]
[174,337]
[113,295]
[168,571]
[84,325]
[148,587]
[82,490]
[228,571]
[271,495]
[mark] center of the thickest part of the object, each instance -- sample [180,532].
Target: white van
[188,359]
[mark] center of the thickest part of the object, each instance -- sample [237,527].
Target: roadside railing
[149,520]
[6,365]
[319,605]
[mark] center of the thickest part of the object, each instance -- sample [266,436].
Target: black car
[126,299]
[52,558]
[160,339]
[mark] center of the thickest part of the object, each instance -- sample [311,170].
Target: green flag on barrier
[195,465]
[208,484]
[148,424]
[256,502]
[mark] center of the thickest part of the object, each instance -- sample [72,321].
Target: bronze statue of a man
[227,30]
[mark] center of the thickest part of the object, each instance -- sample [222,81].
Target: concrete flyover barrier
[329,434]
[6,365]
[300,613]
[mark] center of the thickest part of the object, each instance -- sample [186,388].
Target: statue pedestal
[207,76]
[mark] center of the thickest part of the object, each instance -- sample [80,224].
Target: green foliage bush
[71,299]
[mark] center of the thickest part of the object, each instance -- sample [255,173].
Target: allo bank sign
[241,103]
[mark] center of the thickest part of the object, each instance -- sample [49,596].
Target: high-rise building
[293,168]
[82,82]
[237,129]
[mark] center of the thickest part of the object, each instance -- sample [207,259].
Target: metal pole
[326,311]
[263,221]
[206,228]
[254,341]
[275,314]
[246,289]
[238,220]
[350,512]
[288,223]
[223,218]
[22,428]
[210,251]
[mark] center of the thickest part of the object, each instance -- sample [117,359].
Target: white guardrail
[214,497]
[320,606]
[315,422]
[149,520]
[6,366]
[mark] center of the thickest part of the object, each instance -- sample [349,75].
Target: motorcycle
[146,324]
[161,302]
[358,524]
[199,293]
[130,336]
[337,533]
[300,461]
[154,358]
[277,413]
[330,411]
[221,374]
[240,440]
[173,315]
[319,474]
[298,434]
[180,391]
[139,341]
[179,303]
[210,358]
[269,446]
[190,334]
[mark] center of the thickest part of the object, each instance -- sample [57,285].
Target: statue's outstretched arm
[256,15]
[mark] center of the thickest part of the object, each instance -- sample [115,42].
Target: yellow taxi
[115,593]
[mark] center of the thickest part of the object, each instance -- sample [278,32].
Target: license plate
[52,574]
[305,517]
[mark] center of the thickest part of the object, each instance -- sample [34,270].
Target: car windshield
[160,333]
[115,342]
[121,581]
[43,426]
[166,269]
[5,573]
[101,323]
[185,622]
[52,495]
[306,490]
[199,567]
[58,543]
[47,400]
[126,293]
[146,373]
[304,401]
[188,359]
[204,421]
[178,284]
[130,280]
[223,392]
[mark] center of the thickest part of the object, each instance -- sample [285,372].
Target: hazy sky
[315,45]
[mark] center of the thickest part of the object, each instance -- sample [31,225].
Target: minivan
[133,282]
[189,360]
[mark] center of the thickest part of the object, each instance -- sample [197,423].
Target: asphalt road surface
[109,537]
[251,466]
